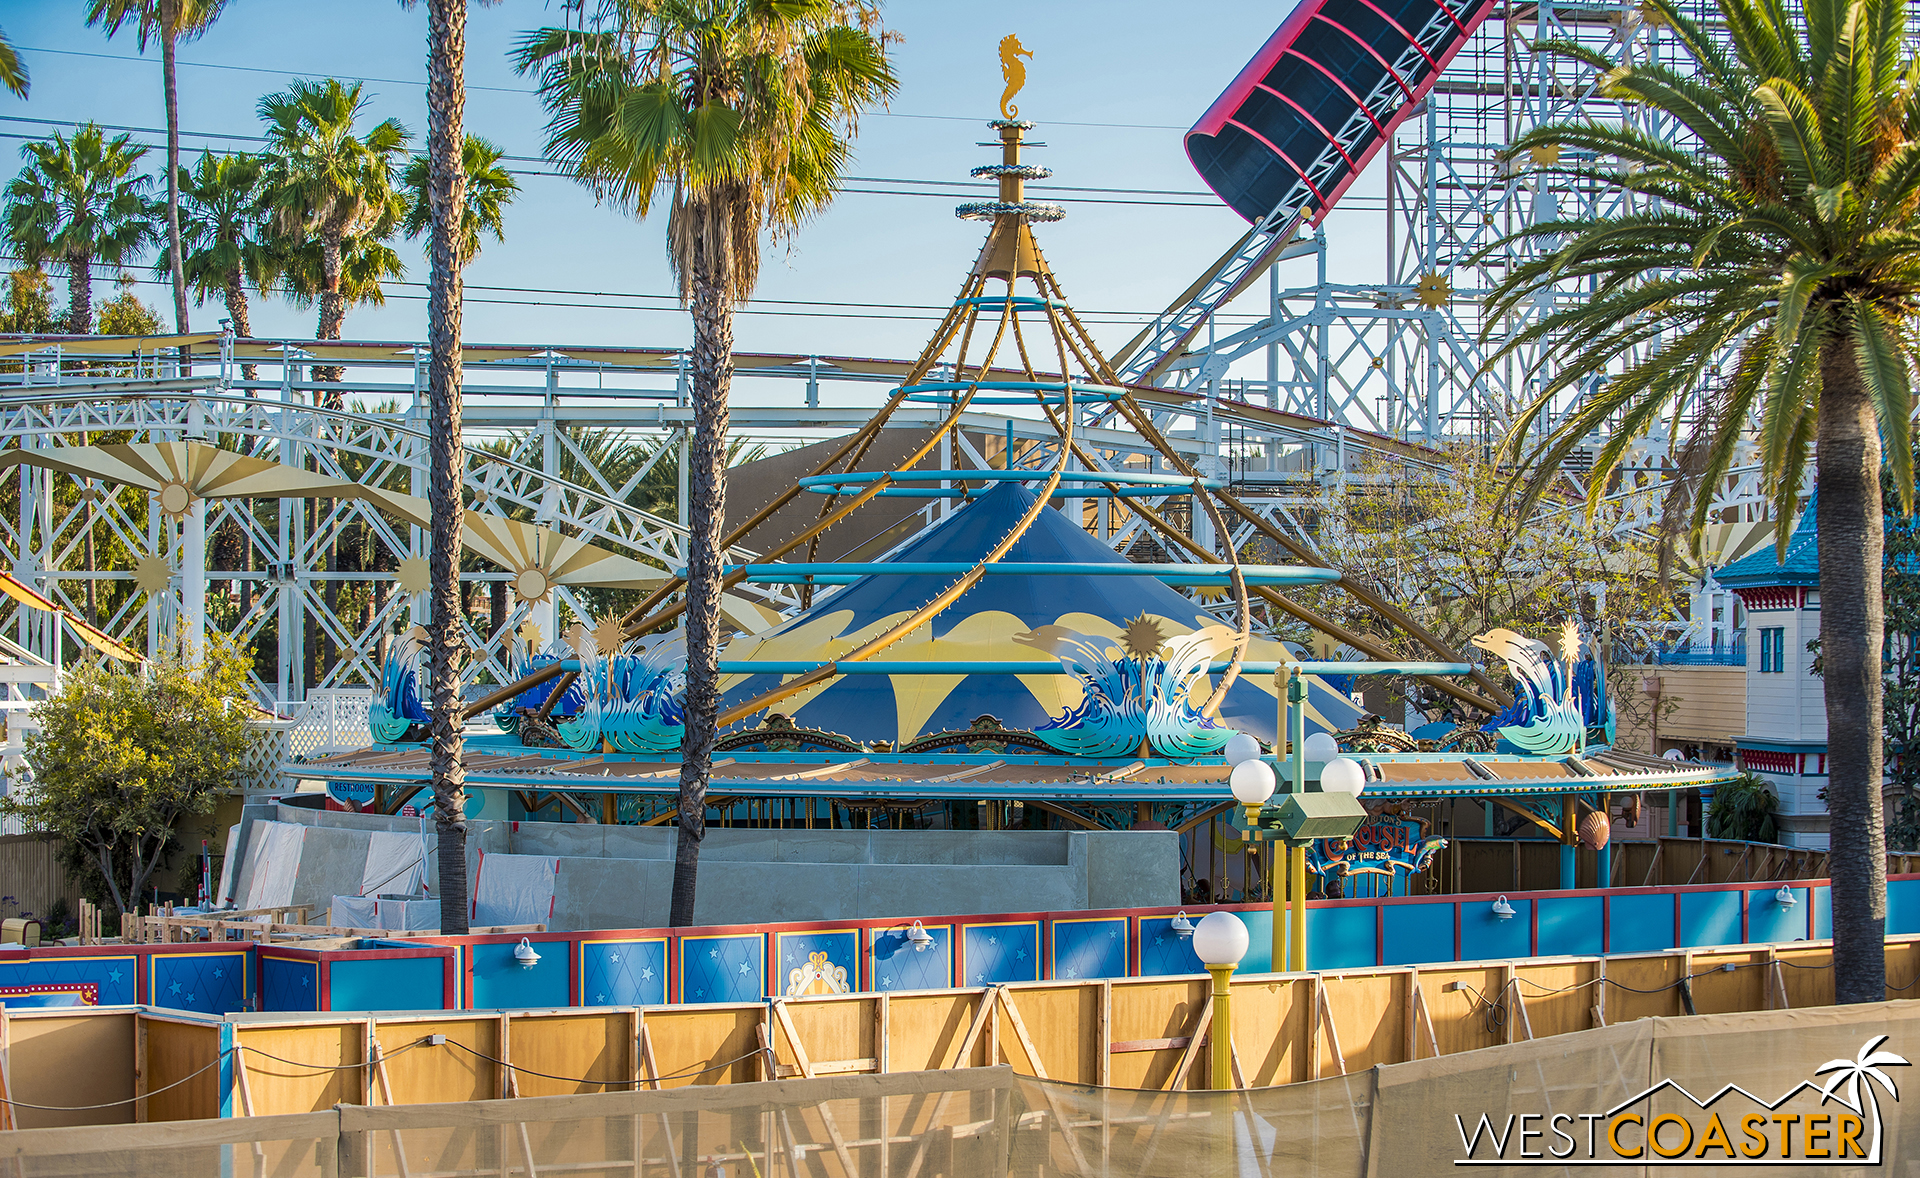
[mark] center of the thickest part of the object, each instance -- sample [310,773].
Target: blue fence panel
[295,985]
[1571,926]
[1903,906]
[897,965]
[723,969]
[1163,951]
[1709,918]
[1822,914]
[1418,933]
[1486,937]
[818,962]
[70,981]
[209,983]
[994,953]
[501,982]
[1640,924]
[391,983]
[623,973]
[1090,948]
[1342,938]
[1769,920]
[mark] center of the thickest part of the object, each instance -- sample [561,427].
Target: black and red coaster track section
[1325,92]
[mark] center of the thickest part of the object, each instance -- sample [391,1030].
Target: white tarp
[273,861]
[394,863]
[407,916]
[353,912]
[514,889]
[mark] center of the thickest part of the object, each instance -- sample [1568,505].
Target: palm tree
[490,189]
[331,188]
[224,232]
[1786,245]
[78,202]
[165,21]
[452,238]
[740,114]
[13,72]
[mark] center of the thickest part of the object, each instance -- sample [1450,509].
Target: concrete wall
[622,876]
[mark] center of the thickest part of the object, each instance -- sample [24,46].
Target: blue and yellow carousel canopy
[996,620]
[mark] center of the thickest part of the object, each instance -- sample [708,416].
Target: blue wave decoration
[1127,700]
[634,702]
[398,708]
[1546,719]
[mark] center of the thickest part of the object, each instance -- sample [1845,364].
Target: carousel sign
[1388,842]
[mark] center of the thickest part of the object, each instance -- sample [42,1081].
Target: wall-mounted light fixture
[1502,910]
[525,954]
[919,938]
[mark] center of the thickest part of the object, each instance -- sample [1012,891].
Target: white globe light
[1252,782]
[1220,939]
[1321,747]
[1342,775]
[1241,748]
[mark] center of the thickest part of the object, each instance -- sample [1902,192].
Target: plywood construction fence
[1414,1117]
[1136,1033]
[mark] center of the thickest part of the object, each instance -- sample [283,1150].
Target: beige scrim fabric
[1395,1121]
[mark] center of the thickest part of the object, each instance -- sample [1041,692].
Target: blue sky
[1113,86]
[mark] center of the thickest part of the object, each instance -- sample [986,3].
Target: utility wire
[529,90]
[583,1080]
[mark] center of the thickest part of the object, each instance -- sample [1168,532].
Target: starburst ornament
[1143,637]
[530,634]
[608,636]
[175,499]
[1545,155]
[1433,291]
[413,575]
[153,573]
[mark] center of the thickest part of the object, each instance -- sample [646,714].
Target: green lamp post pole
[1297,851]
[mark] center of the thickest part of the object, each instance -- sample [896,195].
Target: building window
[1773,650]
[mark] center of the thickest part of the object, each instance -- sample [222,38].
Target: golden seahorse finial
[1014,71]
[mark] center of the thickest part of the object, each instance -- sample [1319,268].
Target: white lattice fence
[329,721]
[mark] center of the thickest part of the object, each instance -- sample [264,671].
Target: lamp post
[1220,941]
[1299,814]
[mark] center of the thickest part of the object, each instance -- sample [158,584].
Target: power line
[954,189]
[254,69]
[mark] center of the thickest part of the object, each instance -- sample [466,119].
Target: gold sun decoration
[608,635]
[1433,291]
[153,573]
[1143,637]
[530,634]
[413,575]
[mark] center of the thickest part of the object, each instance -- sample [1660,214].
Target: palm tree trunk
[80,295]
[446,184]
[706,523]
[170,16]
[1851,525]
[333,307]
[236,297]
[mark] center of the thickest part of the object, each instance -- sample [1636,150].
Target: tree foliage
[80,202]
[1447,546]
[1743,809]
[1763,267]
[490,189]
[124,755]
